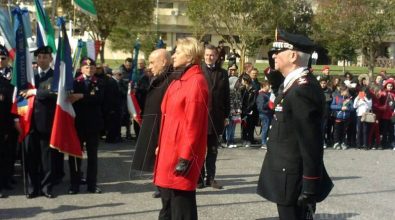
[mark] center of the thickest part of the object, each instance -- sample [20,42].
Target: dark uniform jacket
[144,156]
[88,109]
[294,160]
[6,118]
[44,103]
[219,99]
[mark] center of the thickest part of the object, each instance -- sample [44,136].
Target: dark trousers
[362,133]
[10,147]
[327,134]
[248,130]
[59,166]
[3,156]
[352,129]
[136,128]
[39,163]
[114,126]
[387,131]
[91,141]
[211,159]
[340,130]
[178,204]
[293,212]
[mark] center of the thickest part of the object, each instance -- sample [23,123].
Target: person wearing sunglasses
[293,174]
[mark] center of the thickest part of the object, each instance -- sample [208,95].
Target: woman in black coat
[249,111]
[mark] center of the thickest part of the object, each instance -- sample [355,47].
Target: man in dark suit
[40,158]
[87,100]
[147,142]
[293,173]
[8,122]
[219,109]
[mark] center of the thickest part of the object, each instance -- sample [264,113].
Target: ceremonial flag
[22,74]
[271,101]
[45,32]
[85,6]
[64,135]
[7,32]
[133,105]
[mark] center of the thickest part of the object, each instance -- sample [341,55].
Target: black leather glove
[307,202]
[182,167]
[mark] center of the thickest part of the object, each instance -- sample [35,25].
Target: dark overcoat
[294,159]
[6,118]
[144,156]
[219,98]
[88,110]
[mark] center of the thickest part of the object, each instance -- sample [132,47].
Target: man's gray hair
[303,58]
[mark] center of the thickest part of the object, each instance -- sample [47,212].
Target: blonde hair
[192,48]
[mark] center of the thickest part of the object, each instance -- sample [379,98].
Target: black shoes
[33,195]
[49,195]
[94,190]
[73,191]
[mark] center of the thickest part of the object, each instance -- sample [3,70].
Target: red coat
[183,132]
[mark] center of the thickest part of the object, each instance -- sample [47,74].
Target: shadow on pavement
[67,208]
[20,212]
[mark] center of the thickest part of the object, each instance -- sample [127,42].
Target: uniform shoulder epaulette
[80,78]
[303,80]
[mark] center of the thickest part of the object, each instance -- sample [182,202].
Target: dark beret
[86,61]
[43,50]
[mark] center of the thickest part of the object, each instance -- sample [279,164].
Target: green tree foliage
[112,16]
[245,24]
[359,24]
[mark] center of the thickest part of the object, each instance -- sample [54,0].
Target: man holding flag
[39,154]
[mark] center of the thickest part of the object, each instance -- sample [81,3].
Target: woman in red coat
[183,134]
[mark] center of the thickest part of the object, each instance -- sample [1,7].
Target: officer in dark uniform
[219,110]
[8,122]
[40,158]
[87,100]
[293,173]
[10,144]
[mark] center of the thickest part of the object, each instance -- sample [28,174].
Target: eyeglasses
[279,51]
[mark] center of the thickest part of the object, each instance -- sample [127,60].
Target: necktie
[42,74]
[87,82]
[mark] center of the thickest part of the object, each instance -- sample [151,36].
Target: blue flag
[134,76]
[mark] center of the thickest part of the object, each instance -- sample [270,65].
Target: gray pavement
[364,189]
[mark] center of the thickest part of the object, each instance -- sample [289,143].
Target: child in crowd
[387,109]
[326,125]
[249,112]
[374,133]
[264,110]
[342,105]
[235,108]
[362,104]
